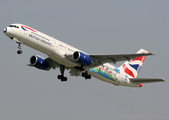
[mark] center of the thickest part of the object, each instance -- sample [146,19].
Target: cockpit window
[13,26]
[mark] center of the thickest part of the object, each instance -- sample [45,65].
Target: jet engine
[40,63]
[82,58]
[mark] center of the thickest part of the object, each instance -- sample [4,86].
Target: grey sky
[94,26]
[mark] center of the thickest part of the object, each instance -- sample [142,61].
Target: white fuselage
[56,50]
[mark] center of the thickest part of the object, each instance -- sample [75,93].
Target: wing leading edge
[117,58]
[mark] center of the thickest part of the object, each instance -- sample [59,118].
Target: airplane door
[53,43]
[26,32]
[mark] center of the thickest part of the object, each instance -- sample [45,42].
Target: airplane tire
[83,74]
[62,78]
[19,51]
[86,77]
[89,76]
[59,77]
[65,78]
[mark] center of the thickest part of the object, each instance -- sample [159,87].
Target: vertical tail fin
[133,66]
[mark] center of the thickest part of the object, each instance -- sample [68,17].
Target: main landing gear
[61,77]
[19,47]
[86,75]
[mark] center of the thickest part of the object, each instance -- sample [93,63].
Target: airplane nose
[5,30]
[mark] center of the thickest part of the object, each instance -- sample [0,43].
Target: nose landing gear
[19,47]
[19,51]
[19,44]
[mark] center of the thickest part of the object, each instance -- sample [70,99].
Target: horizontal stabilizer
[146,80]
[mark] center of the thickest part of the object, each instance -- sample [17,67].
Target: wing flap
[146,80]
[52,63]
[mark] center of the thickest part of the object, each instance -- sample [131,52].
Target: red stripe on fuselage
[29,28]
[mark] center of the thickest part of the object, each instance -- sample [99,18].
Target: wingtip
[162,80]
[151,53]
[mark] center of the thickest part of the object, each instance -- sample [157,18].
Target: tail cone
[140,85]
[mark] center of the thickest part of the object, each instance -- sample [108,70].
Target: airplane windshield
[13,26]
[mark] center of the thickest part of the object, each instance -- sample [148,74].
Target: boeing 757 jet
[64,56]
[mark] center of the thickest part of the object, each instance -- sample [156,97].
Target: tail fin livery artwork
[133,67]
[79,63]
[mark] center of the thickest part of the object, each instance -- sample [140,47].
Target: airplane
[64,56]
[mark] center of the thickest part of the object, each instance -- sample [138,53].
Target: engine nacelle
[40,63]
[82,58]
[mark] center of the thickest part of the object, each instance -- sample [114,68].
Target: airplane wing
[117,57]
[146,80]
[100,59]
[52,63]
